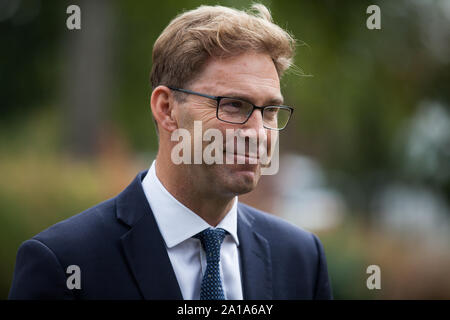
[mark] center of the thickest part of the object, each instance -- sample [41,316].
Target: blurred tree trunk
[86,81]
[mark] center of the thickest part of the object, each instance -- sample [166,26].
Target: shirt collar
[176,222]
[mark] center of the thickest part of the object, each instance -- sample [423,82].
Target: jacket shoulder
[296,251]
[86,229]
[271,225]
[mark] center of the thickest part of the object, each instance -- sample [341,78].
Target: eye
[232,103]
[271,113]
[272,110]
[231,106]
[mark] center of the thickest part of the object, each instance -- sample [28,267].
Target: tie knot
[211,240]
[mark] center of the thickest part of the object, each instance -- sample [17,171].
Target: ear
[162,105]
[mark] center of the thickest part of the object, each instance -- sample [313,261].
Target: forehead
[249,75]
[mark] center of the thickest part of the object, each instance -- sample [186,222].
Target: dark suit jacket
[122,255]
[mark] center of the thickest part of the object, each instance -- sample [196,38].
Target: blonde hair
[184,46]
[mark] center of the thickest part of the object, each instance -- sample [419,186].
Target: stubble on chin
[237,182]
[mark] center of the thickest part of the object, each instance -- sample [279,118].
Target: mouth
[241,158]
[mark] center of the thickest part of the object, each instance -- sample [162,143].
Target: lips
[247,153]
[240,158]
[252,156]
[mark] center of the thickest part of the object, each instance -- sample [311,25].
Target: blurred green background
[364,162]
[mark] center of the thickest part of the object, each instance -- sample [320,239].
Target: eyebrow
[270,102]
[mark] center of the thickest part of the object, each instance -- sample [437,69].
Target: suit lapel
[146,254]
[255,258]
[144,246]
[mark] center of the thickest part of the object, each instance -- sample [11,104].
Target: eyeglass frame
[218,98]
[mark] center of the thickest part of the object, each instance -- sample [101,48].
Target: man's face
[250,76]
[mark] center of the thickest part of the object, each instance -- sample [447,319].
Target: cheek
[188,116]
[206,115]
[269,138]
[208,118]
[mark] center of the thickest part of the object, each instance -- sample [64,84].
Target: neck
[193,194]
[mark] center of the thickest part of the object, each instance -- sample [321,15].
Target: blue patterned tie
[211,240]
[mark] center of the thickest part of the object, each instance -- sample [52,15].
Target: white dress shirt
[178,225]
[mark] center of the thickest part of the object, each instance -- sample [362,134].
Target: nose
[255,121]
[254,127]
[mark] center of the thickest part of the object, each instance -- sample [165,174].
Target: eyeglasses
[238,111]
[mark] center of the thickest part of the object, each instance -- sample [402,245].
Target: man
[178,230]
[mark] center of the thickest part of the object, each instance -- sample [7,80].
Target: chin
[242,179]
